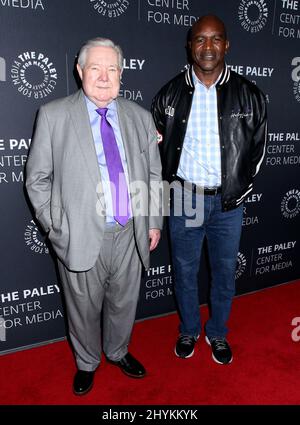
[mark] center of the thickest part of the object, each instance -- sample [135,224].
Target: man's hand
[154,237]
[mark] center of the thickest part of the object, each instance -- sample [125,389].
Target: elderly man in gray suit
[87,151]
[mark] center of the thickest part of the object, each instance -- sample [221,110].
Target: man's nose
[208,44]
[103,75]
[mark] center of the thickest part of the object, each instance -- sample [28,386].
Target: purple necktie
[115,169]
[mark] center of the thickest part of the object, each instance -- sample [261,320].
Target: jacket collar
[222,80]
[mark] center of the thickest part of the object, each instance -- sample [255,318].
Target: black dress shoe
[83,382]
[130,366]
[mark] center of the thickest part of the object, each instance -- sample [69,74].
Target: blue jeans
[223,231]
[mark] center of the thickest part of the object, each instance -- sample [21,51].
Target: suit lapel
[127,133]
[81,123]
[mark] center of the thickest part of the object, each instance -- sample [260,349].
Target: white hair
[96,42]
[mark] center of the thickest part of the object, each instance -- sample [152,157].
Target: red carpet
[265,368]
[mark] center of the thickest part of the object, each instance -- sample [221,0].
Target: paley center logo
[110,8]
[23,4]
[34,74]
[240,265]
[290,204]
[34,240]
[296,77]
[253,15]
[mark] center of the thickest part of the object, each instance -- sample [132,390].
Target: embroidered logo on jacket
[169,111]
[240,115]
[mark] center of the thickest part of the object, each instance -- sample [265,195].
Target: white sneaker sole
[190,355]
[184,357]
[212,354]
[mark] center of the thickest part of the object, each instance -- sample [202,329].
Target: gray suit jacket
[63,179]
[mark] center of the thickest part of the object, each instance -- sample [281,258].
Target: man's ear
[227,46]
[79,70]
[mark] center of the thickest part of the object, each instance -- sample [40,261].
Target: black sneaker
[185,346]
[221,351]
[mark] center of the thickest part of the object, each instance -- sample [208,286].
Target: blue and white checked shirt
[112,118]
[200,160]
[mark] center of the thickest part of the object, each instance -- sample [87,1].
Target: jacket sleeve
[260,136]
[156,193]
[39,171]
[158,113]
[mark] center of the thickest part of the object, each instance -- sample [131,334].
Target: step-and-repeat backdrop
[39,40]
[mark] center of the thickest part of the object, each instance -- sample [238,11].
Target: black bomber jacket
[242,118]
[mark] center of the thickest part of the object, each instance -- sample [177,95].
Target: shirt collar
[112,106]
[197,81]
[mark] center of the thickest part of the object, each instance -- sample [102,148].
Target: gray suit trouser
[104,297]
